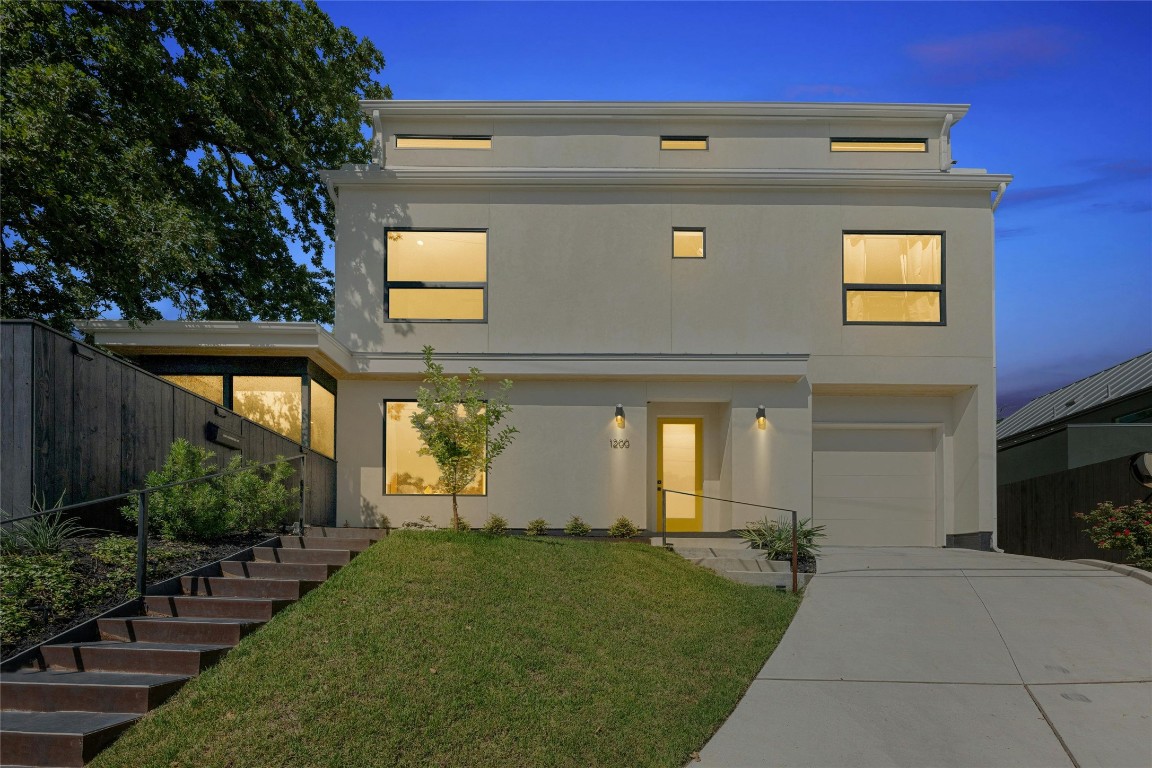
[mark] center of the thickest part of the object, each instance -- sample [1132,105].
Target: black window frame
[938,288]
[384,457]
[389,285]
[704,236]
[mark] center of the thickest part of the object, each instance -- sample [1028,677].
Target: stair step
[294,555]
[259,609]
[153,658]
[254,570]
[53,690]
[153,629]
[58,738]
[311,542]
[281,589]
[368,534]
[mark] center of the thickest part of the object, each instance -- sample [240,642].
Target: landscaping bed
[43,595]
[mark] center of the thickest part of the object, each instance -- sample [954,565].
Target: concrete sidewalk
[932,657]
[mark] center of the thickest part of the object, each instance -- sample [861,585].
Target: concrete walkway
[932,657]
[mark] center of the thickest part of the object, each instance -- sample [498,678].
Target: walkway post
[142,543]
[795,564]
[663,513]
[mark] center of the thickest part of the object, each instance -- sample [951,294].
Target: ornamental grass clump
[1126,528]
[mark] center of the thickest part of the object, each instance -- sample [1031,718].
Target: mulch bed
[165,560]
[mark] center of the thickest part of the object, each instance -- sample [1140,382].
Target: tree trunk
[455,516]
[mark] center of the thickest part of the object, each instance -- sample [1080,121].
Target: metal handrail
[664,522]
[142,508]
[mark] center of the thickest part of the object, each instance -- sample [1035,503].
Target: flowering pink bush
[1126,528]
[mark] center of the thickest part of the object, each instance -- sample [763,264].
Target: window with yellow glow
[208,387]
[684,142]
[443,142]
[436,275]
[879,145]
[405,471]
[687,243]
[322,420]
[894,278]
[272,401]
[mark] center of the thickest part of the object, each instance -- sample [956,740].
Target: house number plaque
[619,443]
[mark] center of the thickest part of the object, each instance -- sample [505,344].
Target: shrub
[43,535]
[33,590]
[537,527]
[460,524]
[423,524]
[496,525]
[577,527]
[775,538]
[623,528]
[250,500]
[1124,528]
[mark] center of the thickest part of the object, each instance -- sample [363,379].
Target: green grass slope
[442,649]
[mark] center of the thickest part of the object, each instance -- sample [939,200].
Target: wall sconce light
[620,415]
[761,418]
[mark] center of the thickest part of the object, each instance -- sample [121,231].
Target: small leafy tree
[456,420]
[1124,528]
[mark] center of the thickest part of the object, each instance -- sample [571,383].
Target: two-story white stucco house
[783,304]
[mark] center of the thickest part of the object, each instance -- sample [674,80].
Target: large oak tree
[171,149]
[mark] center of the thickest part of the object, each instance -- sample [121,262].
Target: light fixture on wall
[620,415]
[761,418]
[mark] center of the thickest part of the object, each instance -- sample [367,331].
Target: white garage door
[875,487]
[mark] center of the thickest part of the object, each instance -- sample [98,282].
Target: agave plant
[775,538]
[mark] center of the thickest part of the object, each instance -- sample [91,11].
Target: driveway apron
[944,657]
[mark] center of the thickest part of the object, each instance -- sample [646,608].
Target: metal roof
[1119,381]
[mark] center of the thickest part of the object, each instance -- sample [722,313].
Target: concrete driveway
[944,657]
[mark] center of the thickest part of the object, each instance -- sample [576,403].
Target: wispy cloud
[1008,233]
[992,55]
[1107,176]
[820,89]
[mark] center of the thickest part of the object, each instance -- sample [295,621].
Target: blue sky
[1061,97]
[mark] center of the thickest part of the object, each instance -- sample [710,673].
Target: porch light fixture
[761,418]
[620,415]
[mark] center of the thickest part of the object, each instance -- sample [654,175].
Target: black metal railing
[142,495]
[664,522]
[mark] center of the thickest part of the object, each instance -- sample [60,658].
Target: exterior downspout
[946,143]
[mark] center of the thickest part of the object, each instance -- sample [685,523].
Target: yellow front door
[680,467]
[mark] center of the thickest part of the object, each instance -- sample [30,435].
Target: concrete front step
[152,658]
[257,609]
[311,542]
[368,534]
[54,690]
[255,570]
[293,555]
[64,739]
[225,586]
[155,629]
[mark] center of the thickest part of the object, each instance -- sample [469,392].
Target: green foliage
[775,537]
[34,589]
[1125,528]
[251,500]
[460,524]
[537,527]
[171,150]
[115,551]
[455,420]
[577,527]
[496,525]
[43,535]
[623,528]
[423,524]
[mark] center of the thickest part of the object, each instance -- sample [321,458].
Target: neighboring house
[1107,415]
[783,304]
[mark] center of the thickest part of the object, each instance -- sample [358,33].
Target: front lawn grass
[448,649]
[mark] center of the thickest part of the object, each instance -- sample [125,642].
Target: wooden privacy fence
[80,424]
[1036,516]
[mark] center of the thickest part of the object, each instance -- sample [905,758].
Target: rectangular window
[894,278]
[406,472]
[683,142]
[687,243]
[436,275]
[208,387]
[322,420]
[272,401]
[443,142]
[879,145]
